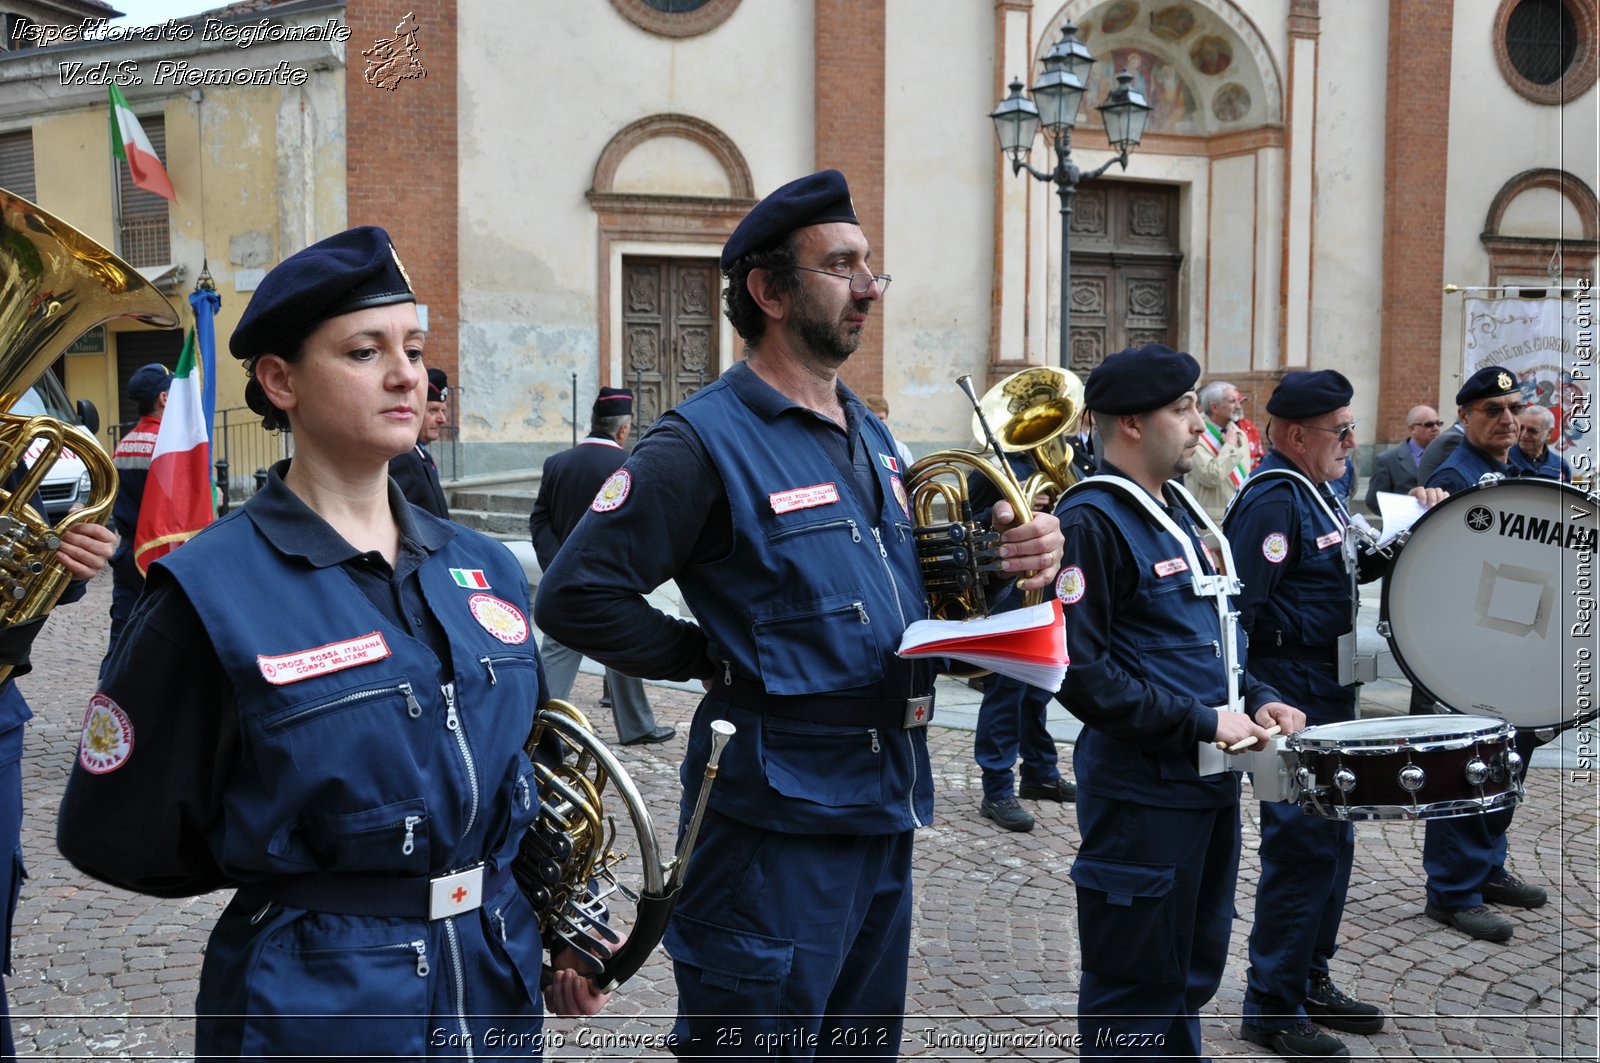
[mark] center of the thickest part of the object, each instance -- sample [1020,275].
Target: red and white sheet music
[1025,644]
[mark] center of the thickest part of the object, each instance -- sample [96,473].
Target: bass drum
[1489,606]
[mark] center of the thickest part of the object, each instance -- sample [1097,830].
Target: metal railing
[147,241]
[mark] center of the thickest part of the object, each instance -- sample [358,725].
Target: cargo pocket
[832,768]
[1125,920]
[386,840]
[728,972]
[817,646]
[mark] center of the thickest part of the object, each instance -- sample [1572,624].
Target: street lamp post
[1057,96]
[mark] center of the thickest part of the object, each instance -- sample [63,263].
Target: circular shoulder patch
[1069,585]
[1275,547]
[499,618]
[900,495]
[613,492]
[107,739]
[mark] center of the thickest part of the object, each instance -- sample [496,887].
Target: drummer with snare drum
[1289,532]
[1465,858]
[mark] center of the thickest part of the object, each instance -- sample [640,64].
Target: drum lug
[1345,780]
[1477,771]
[1412,778]
[1385,630]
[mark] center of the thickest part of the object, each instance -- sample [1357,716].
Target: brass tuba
[55,285]
[567,861]
[955,551]
[1036,409]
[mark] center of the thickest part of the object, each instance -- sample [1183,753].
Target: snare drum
[1406,767]
[1486,607]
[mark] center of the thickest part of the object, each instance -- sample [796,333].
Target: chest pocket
[817,645]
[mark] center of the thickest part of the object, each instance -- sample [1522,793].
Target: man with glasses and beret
[1143,598]
[1395,470]
[1300,570]
[775,499]
[1465,857]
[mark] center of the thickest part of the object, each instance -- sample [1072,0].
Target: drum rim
[1490,728]
[1453,808]
[1592,497]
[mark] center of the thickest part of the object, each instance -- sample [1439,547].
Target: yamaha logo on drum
[1551,532]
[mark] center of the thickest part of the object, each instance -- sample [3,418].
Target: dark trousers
[1155,907]
[791,946]
[1011,723]
[1300,897]
[11,870]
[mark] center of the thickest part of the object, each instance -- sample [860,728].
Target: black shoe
[1007,812]
[1515,892]
[1057,789]
[1297,1042]
[1482,922]
[1327,1006]
[652,736]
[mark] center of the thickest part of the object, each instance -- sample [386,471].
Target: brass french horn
[55,285]
[567,862]
[1036,409]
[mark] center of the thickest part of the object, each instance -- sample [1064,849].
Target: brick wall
[849,56]
[400,167]
[1416,137]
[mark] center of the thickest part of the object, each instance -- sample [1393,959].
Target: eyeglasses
[860,283]
[1343,431]
[1496,410]
[1426,424]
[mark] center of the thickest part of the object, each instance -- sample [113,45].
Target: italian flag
[177,493]
[130,145]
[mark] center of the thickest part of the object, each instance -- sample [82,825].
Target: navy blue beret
[147,382]
[1307,394]
[1140,379]
[354,270]
[438,385]
[614,402]
[1488,383]
[814,200]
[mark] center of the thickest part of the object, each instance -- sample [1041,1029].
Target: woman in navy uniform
[1159,861]
[322,701]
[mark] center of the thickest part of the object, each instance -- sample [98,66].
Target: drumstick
[1246,743]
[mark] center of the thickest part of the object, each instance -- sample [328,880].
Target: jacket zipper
[413,707]
[461,989]
[855,530]
[488,665]
[452,723]
[894,586]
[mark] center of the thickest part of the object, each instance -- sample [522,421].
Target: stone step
[493,500]
[512,526]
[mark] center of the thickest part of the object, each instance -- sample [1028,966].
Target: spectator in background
[147,387]
[1222,460]
[415,470]
[1395,470]
[1439,451]
[1532,454]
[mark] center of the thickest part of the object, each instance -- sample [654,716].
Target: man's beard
[829,339]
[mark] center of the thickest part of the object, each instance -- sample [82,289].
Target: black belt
[886,713]
[386,896]
[1295,651]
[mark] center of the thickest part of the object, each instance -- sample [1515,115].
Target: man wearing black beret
[1156,671]
[1298,604]
[568,483]
[1465,857]
[776,501]
[415,471]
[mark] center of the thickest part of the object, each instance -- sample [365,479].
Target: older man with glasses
[1395,470]
[1465,858]
[1532,454]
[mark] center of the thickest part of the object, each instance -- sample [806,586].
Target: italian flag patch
[469,577]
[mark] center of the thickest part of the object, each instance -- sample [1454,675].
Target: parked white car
[67,484]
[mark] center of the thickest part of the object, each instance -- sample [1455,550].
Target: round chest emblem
[613,492]
[900,495]
[1275,547]
[107,739]
[1069,585]
[1479,518]
[499,618]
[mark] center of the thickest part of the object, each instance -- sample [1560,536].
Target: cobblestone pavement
[104,974]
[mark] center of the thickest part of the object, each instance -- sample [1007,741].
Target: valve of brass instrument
[956,558]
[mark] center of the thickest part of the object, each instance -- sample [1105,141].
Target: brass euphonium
[567,861]
[55,285]
[1036,409]
[956,551]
